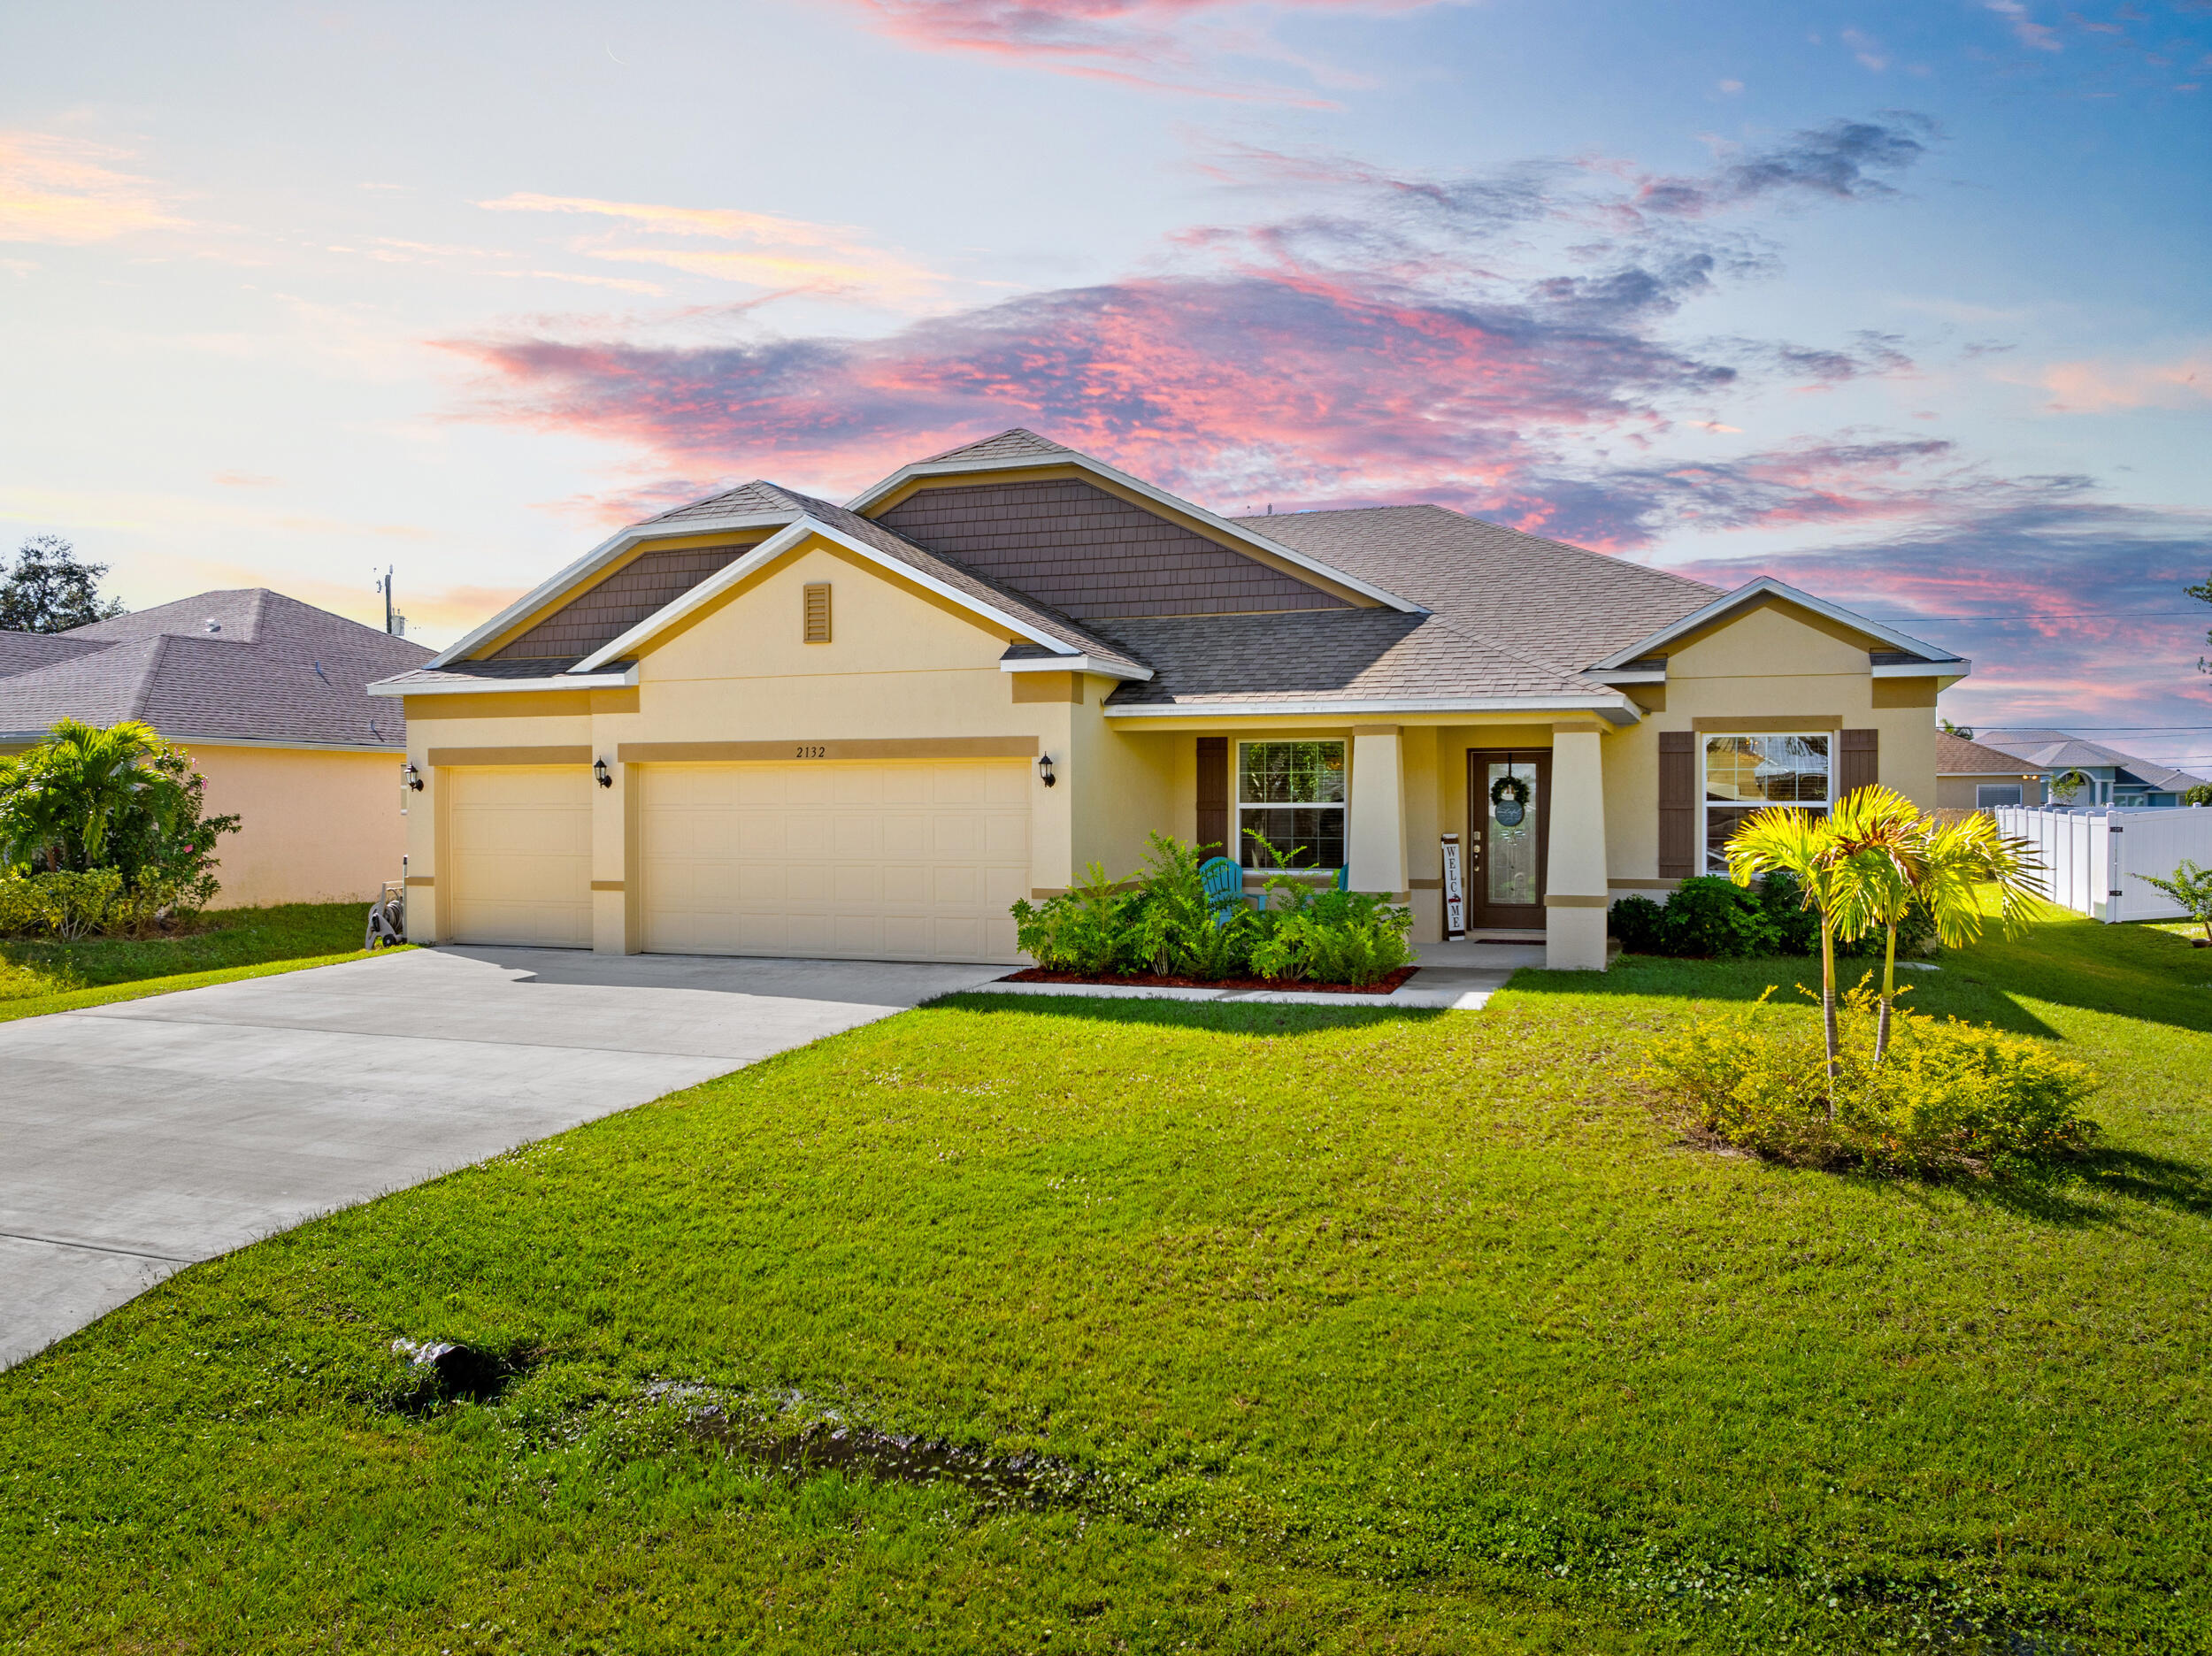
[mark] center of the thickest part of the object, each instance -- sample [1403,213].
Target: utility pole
[394,624]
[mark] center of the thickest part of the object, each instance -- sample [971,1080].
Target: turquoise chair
[1225,886]
[1344,879]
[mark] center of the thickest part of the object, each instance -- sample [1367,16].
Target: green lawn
[39,977]
[1343,1329]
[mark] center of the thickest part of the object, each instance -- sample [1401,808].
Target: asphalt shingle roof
[248,664]
[1016,442]
[1955,756]
[1562,604]
[2054,750]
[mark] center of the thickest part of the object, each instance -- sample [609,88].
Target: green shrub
[1640,924]
[1081,930]
[1162,922]
[1329,936]
[1951,1099]
[1711,917]
[1795,928]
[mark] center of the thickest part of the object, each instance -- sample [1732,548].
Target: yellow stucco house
[270,697]
[767,724]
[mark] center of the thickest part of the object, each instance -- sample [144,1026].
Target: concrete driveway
[139,1137]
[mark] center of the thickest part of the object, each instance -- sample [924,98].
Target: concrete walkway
[139,1137]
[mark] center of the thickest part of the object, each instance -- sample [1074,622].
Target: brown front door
[1506,851]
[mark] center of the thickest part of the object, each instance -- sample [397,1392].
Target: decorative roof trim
[775,546]
[1766,586]
[623,680]
[1074,663]
[590,565]
[905,474]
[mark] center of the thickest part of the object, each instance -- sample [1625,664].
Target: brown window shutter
[817,612]
[1677,804]
[1213,795]
[1858,761]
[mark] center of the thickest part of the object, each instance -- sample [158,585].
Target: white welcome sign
[1455,891]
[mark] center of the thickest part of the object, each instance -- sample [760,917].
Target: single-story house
[765,724]
[2107,776]
[1971,777]
[270,697]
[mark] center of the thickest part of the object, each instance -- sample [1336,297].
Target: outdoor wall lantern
[411,776]
[1044,771]
[601,774]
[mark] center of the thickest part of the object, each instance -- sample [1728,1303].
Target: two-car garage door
[892,860]
[898,860]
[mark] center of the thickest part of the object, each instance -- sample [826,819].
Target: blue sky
[1906,303]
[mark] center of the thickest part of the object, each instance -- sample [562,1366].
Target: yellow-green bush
[96,902]
[1949,1098]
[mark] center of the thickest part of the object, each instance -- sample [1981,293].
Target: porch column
[1574,900]
[1375,830]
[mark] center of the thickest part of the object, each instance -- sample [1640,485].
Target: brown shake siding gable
[617,603]
[1093,556]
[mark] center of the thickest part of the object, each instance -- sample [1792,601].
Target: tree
[119,798]
[2064,787]
[2191,887]
[50,590]
[2202,594]
[1793,841]
[2201,795]
[1902,859]
[1965,733]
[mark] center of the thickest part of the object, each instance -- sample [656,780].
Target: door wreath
[1508,800]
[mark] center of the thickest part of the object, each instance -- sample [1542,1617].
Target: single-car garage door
[899,859]
[518,855]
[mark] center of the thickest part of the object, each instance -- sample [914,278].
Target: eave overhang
[1616,711]
[1932,663]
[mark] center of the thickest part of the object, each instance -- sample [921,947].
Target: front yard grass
[1349,1330]
[40,975]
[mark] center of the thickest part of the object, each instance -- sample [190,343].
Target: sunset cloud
[757,250]
[60,191]
[1159,45]
[1373,349]
[2106,387]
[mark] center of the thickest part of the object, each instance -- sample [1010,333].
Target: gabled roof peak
[1014,442]
[746,500]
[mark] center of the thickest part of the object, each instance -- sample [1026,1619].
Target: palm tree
[1792,840]
[58,800]
[1899,858]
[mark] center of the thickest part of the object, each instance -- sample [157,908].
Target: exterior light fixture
[410,777]
[601,774]
[1044,771]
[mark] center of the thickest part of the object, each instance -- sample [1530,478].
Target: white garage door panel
[518,855]
[912,859]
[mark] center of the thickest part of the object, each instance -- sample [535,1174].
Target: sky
[1908,304]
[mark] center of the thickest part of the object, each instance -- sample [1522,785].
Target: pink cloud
[1158,45]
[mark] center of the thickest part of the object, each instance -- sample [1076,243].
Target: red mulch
[1150,980]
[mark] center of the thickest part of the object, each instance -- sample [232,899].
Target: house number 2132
[804,752]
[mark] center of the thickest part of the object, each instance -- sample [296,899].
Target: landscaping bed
[1154,980]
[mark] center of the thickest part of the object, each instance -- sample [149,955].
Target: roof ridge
[144,689]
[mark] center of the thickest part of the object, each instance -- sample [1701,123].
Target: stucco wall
[902,664]
[315,826]
[1957,793]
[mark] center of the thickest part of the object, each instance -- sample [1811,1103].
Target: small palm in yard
[1900,858]
[1790,841]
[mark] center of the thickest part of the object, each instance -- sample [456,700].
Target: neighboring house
[270,697]
[1971,777]
[763,724]
[2109,777]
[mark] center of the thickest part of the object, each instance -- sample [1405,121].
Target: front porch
[1524,804]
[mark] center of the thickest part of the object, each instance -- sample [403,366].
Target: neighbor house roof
[2056,750]
[1956,755]
[247,665]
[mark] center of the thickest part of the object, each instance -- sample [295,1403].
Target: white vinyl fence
[2091,856]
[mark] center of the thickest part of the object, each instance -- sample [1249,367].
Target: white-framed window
[1990,795]
[1748,772]
[1291,793]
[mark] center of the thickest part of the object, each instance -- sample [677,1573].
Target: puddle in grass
[828,1445]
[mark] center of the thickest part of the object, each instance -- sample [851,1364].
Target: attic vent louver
[816,627]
